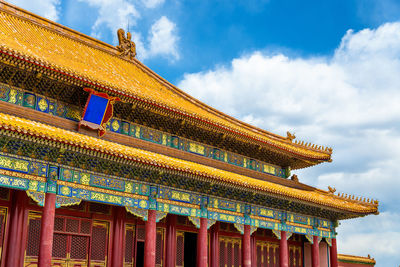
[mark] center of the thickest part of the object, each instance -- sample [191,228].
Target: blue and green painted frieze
[73,185]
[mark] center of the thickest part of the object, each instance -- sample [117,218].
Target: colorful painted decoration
[98,111]
[72,185]
[44,104]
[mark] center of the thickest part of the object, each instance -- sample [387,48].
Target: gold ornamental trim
[225,211]
[23,175]
[177,203]
[101,190]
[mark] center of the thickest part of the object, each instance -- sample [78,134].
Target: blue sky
[326,70]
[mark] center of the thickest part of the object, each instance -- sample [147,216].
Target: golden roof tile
[40,41]
[316,196]
[357,259]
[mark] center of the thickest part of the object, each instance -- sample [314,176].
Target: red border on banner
[108,113]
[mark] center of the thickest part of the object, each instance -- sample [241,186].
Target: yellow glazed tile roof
[316,196]
[45,43]
[357,259]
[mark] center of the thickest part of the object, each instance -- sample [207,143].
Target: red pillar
[118,237]
[202,244]
[333,250]
[14,248]
[47,230]
[150,240]
[246,247]
[253,251]
[214,245]
[170,256]
[315,252]
[283,251]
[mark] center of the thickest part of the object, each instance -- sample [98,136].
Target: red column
[170,256]
[118,237]
[315,252]
[283,251]
[214,245]
[246,247]
[202,244]
[24,229]
[14,248]
[150,240]
[47,230]
[333,250]
[253,251]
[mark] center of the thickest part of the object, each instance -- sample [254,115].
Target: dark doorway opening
[139,254]
[190,249]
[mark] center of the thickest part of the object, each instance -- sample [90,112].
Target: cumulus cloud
[112,15]
[374,235]
[163,38]
[349,100]
[152,3]
[46,8]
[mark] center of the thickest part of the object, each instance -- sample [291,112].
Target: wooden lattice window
[3,217]
[222,257]
[159,247]
[72,225]
[259,256]
[60,246]
[230,252]
[71,241]
[180,245]
[237,255]
[34,224]
[140,233]
[99,242]
[79,247]
[295,256]
[276,256]
[129,245]
[267,254]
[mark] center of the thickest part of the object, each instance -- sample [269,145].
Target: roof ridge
[362,259]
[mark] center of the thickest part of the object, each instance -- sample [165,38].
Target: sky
[326,70]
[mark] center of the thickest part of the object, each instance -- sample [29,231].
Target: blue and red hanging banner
[98,111]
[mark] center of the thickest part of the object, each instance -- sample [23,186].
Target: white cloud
[113,14]
[163,38]
[152,3]
[374,235]
[349,101]
[45,8]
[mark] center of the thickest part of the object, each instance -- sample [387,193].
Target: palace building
[105,163]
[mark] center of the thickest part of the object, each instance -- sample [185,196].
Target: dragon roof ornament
[126,47]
